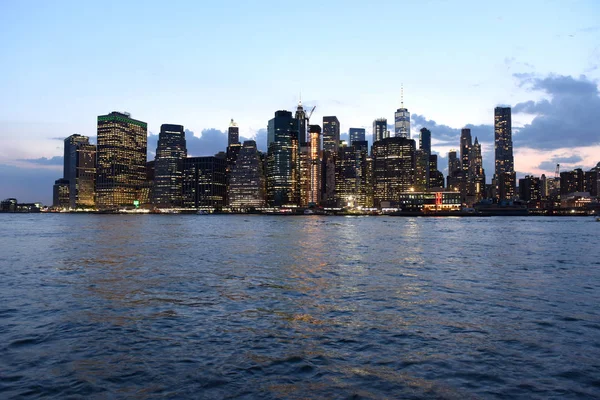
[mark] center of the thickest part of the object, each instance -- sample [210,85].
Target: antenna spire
[402,95]
[300,99]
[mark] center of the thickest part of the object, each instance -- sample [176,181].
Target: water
[176,306]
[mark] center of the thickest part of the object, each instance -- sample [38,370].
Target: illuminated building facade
[314,196]
[430,201]
[464,177]
[282,159]
[331,134]
[571,182]
[233,150]
[380,130]
[246,182]
[171,150]
[304,162]
[530,189]
[505,177]
[393,169]
[351,176]
[121,160]
[356,135]
[204,182]
[421,171]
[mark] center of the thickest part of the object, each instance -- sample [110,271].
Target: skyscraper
[301,123]
[314,194]
[504,177]
[233,148]
[331,134]
[425,140]
[246,184]
[204,182]
[393,169]
[171,150]
[80,171]
[351,175]
[282,160]
[465,148]
[402,120]
[454,170]
[464,177]
[477,172]
[121,160]
[380,129]
[233,133]
[356,135]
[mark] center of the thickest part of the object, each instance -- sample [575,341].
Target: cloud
[564,159]
[210,142]
[56,160]
[448,135]
[568,118]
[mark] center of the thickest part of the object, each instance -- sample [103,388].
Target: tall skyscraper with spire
[301,122]
[505,177]
[402,119]
[477,172]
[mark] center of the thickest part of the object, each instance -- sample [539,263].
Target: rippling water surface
[114,306]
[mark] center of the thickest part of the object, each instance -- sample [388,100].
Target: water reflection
[271,307]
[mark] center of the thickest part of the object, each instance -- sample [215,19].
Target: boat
[202,212]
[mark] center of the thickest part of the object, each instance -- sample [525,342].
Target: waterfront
[248,306]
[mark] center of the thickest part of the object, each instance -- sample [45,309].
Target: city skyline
[59,85]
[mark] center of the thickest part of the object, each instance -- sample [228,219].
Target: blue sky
[200,63]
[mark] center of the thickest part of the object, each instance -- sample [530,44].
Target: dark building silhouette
[282,160]
[425,140]
[204,182]
[571,182]
[300,124]
[171,150]
[356,135]
[121,160]
[436,177]
[393,169]
[331,134]
[60,193]
[504,177]
[380,130]
[454,171]
[80,171]
[233,133]
[530,189]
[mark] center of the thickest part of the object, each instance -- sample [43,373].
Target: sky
[201,63]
